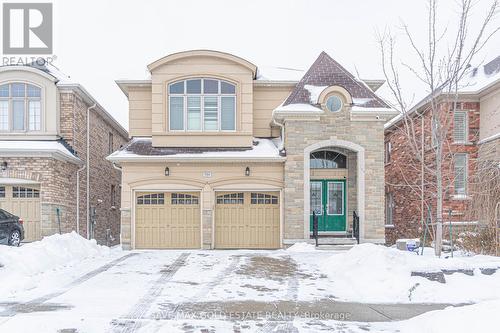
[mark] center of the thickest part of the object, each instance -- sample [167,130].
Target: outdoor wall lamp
[167,171]
[247,171]
[4,166]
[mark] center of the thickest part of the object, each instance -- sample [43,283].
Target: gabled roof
[325,72]
[478,81]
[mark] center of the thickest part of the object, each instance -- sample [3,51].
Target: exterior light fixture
[247,171]
[4,166]
[167,171]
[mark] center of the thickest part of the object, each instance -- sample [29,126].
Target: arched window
[20,107]
[202,105]
[326,159]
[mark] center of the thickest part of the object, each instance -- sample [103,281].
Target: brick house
[228,155]
[474,134]
[48,127]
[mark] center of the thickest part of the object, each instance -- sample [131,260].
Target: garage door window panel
[25,192]
[263,199]
[151,199]
[231,199]
[184,199]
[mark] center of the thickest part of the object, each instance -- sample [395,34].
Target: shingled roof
[327,72]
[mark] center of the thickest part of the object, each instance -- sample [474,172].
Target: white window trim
[466,127]
[202,106]
[26,107]
[389,197]
[466,173]
[388,152]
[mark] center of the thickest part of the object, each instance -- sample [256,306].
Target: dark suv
[11,229]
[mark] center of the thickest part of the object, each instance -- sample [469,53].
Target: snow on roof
[297,107]
[481,77]
[314,92]
[14,147]
[269,73]
[141,148]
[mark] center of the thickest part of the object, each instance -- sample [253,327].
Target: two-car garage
[242,219]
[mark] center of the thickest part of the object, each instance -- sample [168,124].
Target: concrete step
[336,241]
[339,248]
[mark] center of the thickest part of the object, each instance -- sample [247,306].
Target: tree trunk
[438,239]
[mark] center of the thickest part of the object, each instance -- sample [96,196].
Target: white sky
[99,41]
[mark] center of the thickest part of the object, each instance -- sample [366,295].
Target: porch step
[339,248]
[336,241]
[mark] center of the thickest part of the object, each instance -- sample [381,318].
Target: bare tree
[443,61]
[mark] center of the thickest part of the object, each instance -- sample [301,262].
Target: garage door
[167,220]
[23,201]
[247,220]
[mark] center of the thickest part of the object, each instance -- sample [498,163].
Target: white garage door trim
[170,190]
[258,189]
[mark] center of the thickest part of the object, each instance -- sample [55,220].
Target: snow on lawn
[22,267]
[375,273]
[481,317]
[301,247]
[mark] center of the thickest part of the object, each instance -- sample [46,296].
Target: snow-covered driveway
[65,283]
[192,291]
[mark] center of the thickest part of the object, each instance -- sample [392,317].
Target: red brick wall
[404,177]
[102,173]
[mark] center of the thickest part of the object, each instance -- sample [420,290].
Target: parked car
[11,229]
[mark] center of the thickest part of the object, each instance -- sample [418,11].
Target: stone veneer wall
[303,133]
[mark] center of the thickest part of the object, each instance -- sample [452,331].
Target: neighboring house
[474,134]
[45,138]
[225,155]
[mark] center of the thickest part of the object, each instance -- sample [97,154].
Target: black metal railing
[355,225]
[315,227]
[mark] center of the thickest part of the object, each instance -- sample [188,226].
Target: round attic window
[334,104]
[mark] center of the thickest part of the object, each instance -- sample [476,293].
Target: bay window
[20,107]
[202,105]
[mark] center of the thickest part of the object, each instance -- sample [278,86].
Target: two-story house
[473,136]
[54,138]
[225,155]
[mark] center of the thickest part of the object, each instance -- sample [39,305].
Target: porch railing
[355,225]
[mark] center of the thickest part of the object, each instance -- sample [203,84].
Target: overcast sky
[99,41]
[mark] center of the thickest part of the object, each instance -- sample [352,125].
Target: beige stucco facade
[356,134]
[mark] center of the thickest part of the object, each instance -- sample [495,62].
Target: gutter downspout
[88,168]
[282,127]
[78,198]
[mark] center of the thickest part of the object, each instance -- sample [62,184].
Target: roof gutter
[173,158]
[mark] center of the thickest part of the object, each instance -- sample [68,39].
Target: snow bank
[481,317]
[301,247]
[375,273]
[49,253]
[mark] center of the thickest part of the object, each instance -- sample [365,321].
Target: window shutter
[460,126]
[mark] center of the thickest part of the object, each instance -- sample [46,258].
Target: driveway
[199,291]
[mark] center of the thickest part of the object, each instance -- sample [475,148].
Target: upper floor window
[460,174]
[20,107]
[202,105]
[460,126]
[326,159]
[388,151]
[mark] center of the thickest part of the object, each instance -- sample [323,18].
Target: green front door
[328,202]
